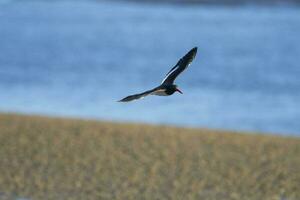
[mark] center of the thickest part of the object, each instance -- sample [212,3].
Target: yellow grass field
[52,158]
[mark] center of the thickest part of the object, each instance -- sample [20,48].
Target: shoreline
[133,123]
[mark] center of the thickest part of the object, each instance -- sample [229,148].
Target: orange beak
[178,91]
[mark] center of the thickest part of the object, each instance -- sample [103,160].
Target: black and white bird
[167,86]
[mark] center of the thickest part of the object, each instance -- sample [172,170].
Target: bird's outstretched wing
[137,96]
[181,65]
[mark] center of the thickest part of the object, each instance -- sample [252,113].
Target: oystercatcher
[167,86]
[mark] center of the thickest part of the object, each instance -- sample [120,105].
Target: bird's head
[177,89]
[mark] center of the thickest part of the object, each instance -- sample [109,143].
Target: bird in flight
[167,87]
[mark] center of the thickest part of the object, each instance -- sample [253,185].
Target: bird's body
[167,86]
[165,90]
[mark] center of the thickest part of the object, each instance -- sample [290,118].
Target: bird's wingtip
[193,52]
[124,100]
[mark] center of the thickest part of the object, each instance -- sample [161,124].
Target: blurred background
[77,58]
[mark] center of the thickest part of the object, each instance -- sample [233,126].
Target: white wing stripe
[170,72]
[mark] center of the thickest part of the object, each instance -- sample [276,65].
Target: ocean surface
[77,58]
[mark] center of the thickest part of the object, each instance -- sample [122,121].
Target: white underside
[160,93]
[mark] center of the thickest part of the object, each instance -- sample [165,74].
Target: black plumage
[167,86]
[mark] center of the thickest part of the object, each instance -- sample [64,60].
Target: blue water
[75,58]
